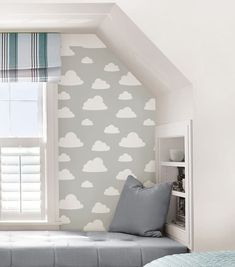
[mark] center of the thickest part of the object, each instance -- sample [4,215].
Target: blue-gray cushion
[140,210]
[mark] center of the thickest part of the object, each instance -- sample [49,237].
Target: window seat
[81,249]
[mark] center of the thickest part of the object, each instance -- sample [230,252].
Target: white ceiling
[69,17]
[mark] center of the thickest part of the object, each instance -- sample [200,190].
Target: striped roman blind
[31,57]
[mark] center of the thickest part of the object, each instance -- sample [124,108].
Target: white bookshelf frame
[177,132]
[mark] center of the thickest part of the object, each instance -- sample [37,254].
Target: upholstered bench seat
[79,249]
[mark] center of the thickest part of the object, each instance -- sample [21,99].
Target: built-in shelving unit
[176,136]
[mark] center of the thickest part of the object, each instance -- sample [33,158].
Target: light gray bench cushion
[79,249]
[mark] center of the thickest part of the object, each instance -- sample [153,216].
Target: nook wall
[106,131]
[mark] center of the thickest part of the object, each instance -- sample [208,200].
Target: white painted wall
[199,38]
[174,106]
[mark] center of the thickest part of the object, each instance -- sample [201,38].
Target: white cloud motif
[122,175]
[64,96]
[100,146]
[111,129]
[132,141]
[64,219]
[87,60]
[150,166]
[70,79]
[125,96]
[87,122]
[126,113]
[149,122]
[95,165]
[95,103]
[150,104]
[64,157]
[65,113]
[69,41]
[100,84]
[87,184]
[111,191]
[65,175]
[129,79]
[149,183]
[111,67]
[125,158]
[96,225]
[100,208]
[70,140]
[66,51]
[70,203]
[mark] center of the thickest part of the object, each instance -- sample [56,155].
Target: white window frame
[50,181]
[52,191]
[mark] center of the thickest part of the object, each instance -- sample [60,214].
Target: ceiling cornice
[60,17]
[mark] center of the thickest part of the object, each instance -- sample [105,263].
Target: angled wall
[148,62]
[197,36]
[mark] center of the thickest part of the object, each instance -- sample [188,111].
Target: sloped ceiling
[110,23]
[148,63]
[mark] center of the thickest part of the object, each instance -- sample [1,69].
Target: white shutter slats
[10,187]
[9,206]
[31,196]
[30,160]
[30,169]
[31,187]
[7,160]
[10,196]
[10,178]
[33,206]
[20,179]
[10,169]
[30,178]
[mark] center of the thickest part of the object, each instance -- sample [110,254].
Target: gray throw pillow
[141,211]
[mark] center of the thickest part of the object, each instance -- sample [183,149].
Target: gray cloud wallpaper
[106,132]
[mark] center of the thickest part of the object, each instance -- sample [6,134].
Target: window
[26,149]
[21,110]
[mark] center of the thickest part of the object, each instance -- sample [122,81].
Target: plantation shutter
[21,181]
[31,57]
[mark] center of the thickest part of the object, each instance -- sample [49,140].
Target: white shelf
[174,225]
[172,164]
[178,194]
[176,136]
[176,232]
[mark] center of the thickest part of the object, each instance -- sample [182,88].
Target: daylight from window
[21,151]
[20,110]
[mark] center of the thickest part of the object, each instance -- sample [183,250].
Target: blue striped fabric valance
[29,57]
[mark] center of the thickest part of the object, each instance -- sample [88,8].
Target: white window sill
[29,226]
